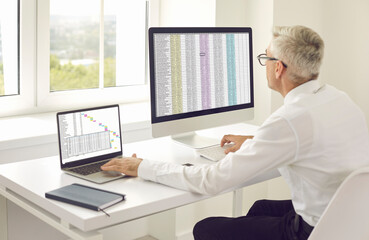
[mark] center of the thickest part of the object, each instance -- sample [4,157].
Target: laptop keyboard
[88,169]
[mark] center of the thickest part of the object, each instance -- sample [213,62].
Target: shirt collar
[309,87]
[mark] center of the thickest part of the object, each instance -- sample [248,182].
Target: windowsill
[37,129]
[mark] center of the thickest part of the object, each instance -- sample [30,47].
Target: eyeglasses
[263,58]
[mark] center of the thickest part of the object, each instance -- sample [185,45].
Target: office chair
[347,215]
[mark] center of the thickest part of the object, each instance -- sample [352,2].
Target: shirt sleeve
[275,144]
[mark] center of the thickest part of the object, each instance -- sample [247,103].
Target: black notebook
[85,196]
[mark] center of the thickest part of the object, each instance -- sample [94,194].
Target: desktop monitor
[199,78]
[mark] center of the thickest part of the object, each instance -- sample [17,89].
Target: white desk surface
[29,180]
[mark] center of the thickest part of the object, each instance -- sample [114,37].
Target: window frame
[22,103]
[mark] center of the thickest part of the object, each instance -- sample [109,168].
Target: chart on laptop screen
[92,133]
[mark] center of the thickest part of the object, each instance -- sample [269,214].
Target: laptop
[88,138]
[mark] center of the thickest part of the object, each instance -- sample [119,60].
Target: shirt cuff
[145,170]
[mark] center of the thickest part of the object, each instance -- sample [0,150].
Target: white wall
[187,13]
[346,35]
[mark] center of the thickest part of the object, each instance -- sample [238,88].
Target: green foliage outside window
[70,77]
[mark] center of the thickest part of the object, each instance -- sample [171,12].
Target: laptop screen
[89,134]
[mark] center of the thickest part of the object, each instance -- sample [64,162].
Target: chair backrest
[347,215]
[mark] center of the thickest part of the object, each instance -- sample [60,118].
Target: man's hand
[238,140]
[126,165]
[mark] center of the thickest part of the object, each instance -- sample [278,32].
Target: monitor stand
[193,140]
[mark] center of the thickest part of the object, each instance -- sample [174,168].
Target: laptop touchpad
[111,173]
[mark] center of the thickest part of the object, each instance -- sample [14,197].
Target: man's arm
[274,145]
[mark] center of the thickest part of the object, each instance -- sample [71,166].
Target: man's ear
[279,68]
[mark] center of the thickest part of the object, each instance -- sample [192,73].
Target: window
[90,55]
[74,53]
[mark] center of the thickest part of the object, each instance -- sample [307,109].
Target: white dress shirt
[316,139]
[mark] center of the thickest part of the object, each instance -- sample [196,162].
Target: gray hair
[301,49]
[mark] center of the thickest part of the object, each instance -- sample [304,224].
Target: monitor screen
[199,71]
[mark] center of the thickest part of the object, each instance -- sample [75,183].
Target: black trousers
[266,220]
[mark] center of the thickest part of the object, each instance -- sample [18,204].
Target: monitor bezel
[155,30]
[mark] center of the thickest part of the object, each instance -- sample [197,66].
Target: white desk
[25,184]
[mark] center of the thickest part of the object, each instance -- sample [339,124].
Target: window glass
[124,44]
[74,44]
[9,32]
[78,42]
